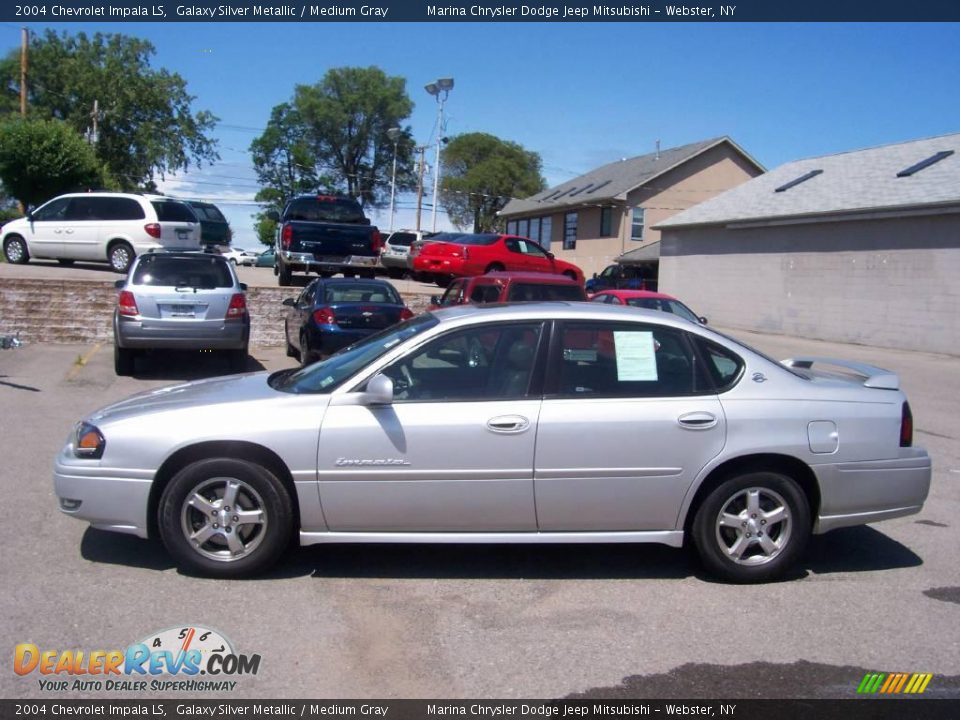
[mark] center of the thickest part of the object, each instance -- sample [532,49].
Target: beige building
[593,219]
[860,247]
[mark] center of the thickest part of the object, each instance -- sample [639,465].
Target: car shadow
[188,365]
[110,548]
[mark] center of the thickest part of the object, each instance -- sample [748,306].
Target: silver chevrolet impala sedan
[540,423]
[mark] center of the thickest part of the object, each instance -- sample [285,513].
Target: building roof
[645,253]
[881,179]
[614,180]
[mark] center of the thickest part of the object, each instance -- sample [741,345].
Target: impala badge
[341,462]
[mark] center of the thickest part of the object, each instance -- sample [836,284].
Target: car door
[514,257]
[454,450]
[80,230]
[628,421]
[46,229]
[537,258]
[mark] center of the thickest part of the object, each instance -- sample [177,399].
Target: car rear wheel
[753,527]
[120,256]
[306,356]
[123,360]
[570,274]
[226,518]
[284,276]
[15,250]
[442,280]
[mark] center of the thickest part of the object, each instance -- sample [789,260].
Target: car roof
[182,255]
[527,276]
[559,310]
[626,294]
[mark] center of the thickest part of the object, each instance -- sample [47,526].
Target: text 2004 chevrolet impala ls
[540,423]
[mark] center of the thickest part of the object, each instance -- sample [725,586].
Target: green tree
[336,134]
[265,228]
[145,123]
[481,173]
[40,159]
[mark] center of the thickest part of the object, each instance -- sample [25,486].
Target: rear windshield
[534,292]
[399,238]
[210,213]
[325,208]
[205,273]
[360,293]
[173,211]
[664,305]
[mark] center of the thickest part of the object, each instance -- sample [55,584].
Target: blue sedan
[331,314]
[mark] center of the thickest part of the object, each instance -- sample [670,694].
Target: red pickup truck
[509,287]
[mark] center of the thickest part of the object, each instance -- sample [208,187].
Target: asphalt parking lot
[470,621]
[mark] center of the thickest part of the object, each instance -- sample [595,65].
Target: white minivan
[101,227]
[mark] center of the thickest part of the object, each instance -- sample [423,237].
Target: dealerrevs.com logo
[189,659]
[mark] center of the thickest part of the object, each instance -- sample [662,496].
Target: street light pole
[440,90]
[393,134]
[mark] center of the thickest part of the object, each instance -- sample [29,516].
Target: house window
[534,233]
[523,228]
[606,220]
[546,232]
[511,227]
[636,229]
[570,231]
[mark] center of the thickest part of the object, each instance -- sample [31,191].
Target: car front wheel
[226,518]
[15,250]
[753,527]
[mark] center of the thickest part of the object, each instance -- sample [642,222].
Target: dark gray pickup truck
[325,234]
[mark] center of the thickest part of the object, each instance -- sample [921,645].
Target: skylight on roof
[581,189]
[923,164]
[605,182]
[568,190]
[803,178]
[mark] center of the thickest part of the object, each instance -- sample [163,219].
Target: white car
[239,256]
[101,227]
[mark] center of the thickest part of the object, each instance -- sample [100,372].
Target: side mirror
[379,391]
[243,287]
[118,284]
[594,276]
[290,302]
[702,319]
[435,300]
[29,215]
[550,255]
[272,215]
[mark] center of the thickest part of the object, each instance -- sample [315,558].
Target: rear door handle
[508,424]
[697,420]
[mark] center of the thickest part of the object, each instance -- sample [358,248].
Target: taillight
[286,236]
[127,304]
[406,314]
[237,307]
[324,316]
[906,426]
[377,240]
[153,229]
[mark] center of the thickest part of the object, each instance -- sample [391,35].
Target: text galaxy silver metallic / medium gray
[540,423]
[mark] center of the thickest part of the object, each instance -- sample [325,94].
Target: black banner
[325,11]
[873,709]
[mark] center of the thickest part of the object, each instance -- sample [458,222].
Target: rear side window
[324,208]
[208,212]
[536,292]
[485,293]
[205,273]
[723,366]
[360,293]
[627,360]
[104,208]
[173,211]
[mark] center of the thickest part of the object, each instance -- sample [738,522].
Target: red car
[455,255]
[510,287]
[649,301]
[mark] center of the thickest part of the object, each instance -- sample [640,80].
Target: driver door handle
[697,420]
[506,424]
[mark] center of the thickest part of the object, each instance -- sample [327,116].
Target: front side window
[491,362]
[636,227]
[627,360]
[454,294]
[570,231]
[53,210]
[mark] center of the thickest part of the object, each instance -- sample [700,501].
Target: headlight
[89,441]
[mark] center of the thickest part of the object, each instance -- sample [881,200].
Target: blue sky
[579,94]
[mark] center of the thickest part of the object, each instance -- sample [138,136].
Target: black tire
[237,359]
[124,360]
[65,261]
[784,540]
[257,489]
[307,357]
[494,267]
[284,276]
[120,256]
[570,274]
[443,280]
[291,350]
[15,250]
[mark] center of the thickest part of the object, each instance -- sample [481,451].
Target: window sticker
[636,358]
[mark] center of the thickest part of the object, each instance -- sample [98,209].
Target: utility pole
[95,116]
[24,40]
[422,150]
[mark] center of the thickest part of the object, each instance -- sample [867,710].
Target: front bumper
[856,493]
[108,498]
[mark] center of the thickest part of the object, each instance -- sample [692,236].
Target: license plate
[183,310]
[183,234]
[361,260]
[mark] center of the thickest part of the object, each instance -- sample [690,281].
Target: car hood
[214,391]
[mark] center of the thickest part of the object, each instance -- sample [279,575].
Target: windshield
[327,375]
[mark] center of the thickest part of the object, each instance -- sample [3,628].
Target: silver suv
[180,301]
[101,227]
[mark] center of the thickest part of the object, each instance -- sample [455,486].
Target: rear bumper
[863,492]
[108,499]
[309,263]
[327,342]
[394,261]
[131,334]
[440,265]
